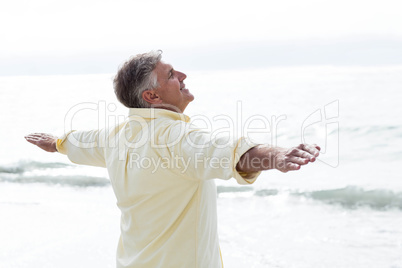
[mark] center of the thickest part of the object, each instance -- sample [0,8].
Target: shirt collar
[154,113]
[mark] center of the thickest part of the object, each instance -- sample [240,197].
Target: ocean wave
[348,197]
[351,197]
[234,189]
[73,180]
[266,192]
[354,197]
[24,166]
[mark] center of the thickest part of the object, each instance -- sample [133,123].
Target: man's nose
[181,76]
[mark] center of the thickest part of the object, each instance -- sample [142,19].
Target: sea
[343,210]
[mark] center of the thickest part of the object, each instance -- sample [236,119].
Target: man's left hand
[44,141]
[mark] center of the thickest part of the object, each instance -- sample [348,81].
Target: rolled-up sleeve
[84,147]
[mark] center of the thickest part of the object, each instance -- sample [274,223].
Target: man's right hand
[265,157]
[44,141]
[292,159]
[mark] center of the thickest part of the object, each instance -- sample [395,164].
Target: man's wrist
[274,156]
[258,158]
[54,145]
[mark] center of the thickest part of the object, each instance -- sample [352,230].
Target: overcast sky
[95,36]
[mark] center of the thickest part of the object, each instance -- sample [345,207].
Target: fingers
[294,163]
[293,166]
[302,154]
[31,139]
[39,136]
[44,141]
[307,150]
[289,163]
[298,160]
[312,149]
[289,167]
[33,136]
[296,157]
[317,147]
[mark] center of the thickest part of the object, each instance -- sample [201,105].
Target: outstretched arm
[44,141]
[81,147]
[264,157]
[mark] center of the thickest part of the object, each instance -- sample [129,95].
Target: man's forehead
[164,66]
[163,70]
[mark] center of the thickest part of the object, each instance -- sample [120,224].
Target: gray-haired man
[169,216]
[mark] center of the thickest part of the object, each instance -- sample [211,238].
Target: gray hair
[136,76]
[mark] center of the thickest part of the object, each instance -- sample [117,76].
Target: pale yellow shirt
[161,169]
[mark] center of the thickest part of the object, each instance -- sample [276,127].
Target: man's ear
[151,97]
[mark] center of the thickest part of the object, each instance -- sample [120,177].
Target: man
[168,207]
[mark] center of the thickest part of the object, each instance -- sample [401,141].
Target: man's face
[172,90]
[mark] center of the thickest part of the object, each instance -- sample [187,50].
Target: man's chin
[190,96]
[188,102]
